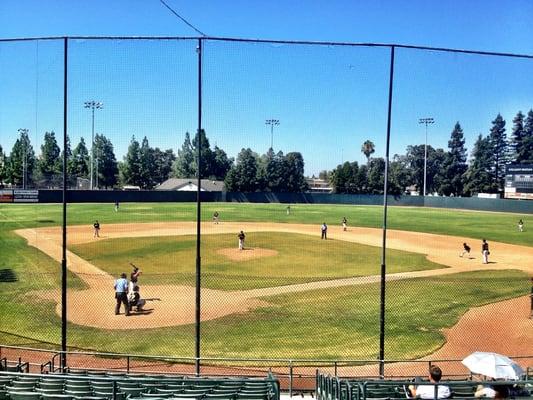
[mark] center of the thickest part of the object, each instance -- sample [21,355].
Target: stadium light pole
[272,122]
[24,132]
[93,105]
[426,121]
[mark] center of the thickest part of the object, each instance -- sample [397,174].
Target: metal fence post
[290,377]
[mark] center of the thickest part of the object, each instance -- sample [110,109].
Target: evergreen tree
[22,162]
[184,165]
[79,165]
[242,177]
[398,175]
[500,152]
[340,177]
[3,166]
[477,176]
[527,148]
[518,136]
[106,166]
[454,165]
[131,167]
[376,175]
[147,165]
[350,178]
[295,180]
[276,173]
[163,161]
[221,164]
[49,164]
[206,153]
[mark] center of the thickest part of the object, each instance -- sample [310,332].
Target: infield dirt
[512,336]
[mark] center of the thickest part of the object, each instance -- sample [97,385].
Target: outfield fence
[95,120]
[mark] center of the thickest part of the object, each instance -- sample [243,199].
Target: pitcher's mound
[247,254]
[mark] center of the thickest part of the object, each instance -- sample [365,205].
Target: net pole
[384,240]
[198,214]
[64,227]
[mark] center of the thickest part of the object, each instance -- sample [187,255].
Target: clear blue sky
[328,100]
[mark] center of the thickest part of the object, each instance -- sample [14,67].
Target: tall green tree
[500,152]
[368,148]
[454,164]
[518,135]
[49,164]
[242,177]
[478,176]
[295,181]
[276,173]
[131,166]
[163,161]
[22,162]
[106,166]
[221,164]
[398,175]
[527,147]
[415,163]
[346,178]
[376,175]
[3,167]
[79,164]
[205,153]
[147,165]
[183,166]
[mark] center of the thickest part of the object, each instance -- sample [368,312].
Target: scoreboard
[519,181]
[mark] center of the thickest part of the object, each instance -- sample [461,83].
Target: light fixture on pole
[24,141]
[426,121]
[272,122]
[92,105]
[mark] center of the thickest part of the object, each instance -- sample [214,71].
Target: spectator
[429,391]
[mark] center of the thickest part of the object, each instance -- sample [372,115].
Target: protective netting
[277,120]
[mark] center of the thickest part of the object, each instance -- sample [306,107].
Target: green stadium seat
[48,391]
[19,389]
[58,396]
[109,394]
[252,396]
[169,391]
[16,395]
[221,396]
[51,384]
[79,393]
[23,384]
[91,398]
[132,391]
[187,397]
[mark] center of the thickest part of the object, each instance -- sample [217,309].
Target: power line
[183,19]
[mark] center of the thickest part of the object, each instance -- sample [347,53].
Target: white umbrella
[494,365]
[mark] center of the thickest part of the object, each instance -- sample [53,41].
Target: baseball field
[288,294]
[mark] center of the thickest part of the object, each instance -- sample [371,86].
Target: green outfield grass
[501,227]
[300,258]
[339,323]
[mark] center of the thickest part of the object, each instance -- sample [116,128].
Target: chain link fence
[269,117]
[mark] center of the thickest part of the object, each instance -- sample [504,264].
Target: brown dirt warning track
[501,333]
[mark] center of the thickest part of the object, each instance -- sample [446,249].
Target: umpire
[121,294]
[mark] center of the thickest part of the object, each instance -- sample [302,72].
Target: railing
[296,376]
